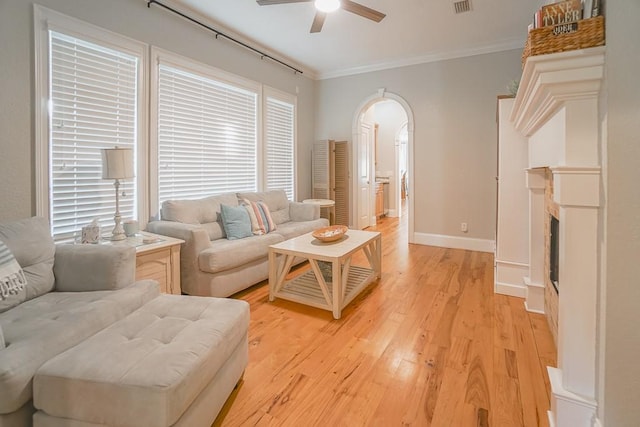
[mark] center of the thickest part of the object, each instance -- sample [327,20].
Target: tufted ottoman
[172,362]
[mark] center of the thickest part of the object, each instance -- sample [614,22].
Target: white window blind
[207,136]
[279,145]
[93,98]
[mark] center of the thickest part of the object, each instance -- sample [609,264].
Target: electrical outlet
[464,227]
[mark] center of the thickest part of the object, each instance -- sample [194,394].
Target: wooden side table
[325,203]
[157,258]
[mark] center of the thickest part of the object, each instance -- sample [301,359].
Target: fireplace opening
[554,251]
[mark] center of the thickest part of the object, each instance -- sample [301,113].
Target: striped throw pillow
[255,225]
[264,222]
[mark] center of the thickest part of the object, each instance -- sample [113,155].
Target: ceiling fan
[326,6]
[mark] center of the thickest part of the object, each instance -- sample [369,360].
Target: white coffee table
[310,287]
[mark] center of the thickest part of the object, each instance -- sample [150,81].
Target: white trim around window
[46,21]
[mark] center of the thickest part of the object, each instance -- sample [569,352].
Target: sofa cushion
[292,229]
[31,243]
[41,328]
[236,222]
[12,280]
[226,254]
[202,211]
[146,369]
[81,268]
[276,200]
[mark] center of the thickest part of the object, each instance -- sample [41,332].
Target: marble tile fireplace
[556,108]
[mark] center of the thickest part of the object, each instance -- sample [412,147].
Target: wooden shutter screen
[320,170]
[341,182]
[330,164]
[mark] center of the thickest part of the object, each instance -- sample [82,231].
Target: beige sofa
[212,265]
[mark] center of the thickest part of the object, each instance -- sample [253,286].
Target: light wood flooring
[429,344]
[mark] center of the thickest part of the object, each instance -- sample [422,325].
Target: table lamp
[117,163]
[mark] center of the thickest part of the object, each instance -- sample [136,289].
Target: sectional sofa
[81,343]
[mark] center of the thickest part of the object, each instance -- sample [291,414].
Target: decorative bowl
[331,233]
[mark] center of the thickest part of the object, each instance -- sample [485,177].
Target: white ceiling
[414,31]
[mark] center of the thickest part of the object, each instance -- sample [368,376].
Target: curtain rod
[219,33]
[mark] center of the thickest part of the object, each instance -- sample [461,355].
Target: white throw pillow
[12,279]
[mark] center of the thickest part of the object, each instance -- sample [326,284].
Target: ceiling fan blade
[318,22]
[270,2]
[364,11]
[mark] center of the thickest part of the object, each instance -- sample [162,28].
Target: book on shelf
[587,8]
[563,12]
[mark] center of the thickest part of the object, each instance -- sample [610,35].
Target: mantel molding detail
[535,178]
[576,186]
[550,81]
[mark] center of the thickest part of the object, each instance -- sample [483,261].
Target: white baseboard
[535,296]
[508,278]
[479,245]
[510,289]
[567,408]
[532,310]
[392,213]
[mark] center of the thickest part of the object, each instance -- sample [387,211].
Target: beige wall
[620,311]
[132,18]
[454,107]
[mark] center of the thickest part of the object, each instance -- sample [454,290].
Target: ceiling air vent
[462,6]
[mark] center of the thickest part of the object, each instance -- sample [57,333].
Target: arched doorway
[357,161]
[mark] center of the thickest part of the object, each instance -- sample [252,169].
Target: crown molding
[509,44]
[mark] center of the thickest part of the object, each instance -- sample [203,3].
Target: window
[212,133]
[90,89]
[279,136]
[207,135]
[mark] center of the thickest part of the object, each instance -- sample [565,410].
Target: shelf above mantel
[550,81]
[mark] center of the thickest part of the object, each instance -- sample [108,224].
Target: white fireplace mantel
[549,81]
[556,108]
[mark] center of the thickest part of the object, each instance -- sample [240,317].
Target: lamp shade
[117,163]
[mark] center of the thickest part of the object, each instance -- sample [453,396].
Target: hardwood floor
[429,344]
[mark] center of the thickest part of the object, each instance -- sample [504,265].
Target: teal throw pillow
[236,222]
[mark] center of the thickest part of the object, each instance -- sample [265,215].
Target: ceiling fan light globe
[327,5]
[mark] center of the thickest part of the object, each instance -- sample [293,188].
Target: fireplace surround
[556,108]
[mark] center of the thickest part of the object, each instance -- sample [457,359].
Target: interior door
[364,175]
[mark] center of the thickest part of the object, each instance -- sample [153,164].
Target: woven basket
[542,40]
